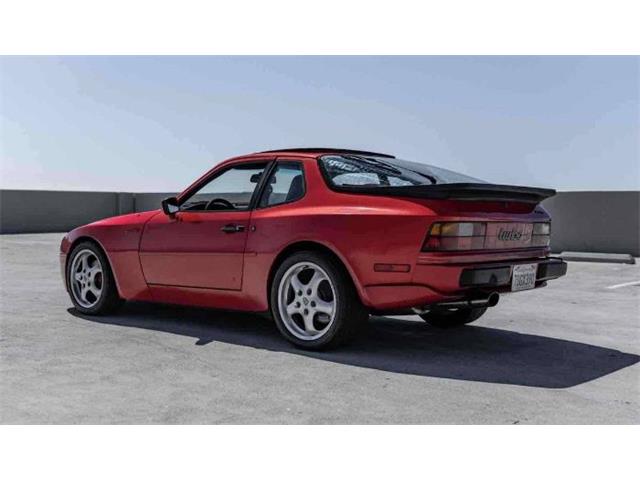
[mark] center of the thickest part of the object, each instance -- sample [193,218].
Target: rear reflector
[391,267]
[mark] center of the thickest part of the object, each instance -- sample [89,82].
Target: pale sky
[156,123]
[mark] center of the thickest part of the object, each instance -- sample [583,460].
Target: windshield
[370,171]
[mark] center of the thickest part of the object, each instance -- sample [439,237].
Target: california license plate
[523,277]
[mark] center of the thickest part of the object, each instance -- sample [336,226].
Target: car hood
[127,219]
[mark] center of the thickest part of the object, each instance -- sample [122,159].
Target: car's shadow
[479,354]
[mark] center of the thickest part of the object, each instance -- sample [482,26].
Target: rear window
[370,171]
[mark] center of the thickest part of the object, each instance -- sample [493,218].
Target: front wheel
[314,302]
[90,281]
[452,318]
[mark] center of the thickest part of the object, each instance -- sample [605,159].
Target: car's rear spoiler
[457,191]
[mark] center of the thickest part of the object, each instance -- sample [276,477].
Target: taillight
[461,236]
[451,236]
[541,236]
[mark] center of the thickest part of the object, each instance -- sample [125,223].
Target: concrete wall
[23,211]
[149,201]
[34,211]
[607,222]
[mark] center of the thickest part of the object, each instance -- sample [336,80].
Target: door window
[230,190]
[285,184]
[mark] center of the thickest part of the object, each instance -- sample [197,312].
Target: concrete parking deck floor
[567,353]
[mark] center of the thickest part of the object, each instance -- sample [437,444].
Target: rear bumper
[447,282]
[500,276]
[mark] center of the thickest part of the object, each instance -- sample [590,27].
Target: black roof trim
[329,150]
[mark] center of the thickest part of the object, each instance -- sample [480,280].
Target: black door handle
[232,228]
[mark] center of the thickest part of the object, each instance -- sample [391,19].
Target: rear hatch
[477,217]
[486,218]
[466,214]
[392,177]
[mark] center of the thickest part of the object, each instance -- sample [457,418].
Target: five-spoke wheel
[89,280]
[86,278]
[314,302]
[306,300]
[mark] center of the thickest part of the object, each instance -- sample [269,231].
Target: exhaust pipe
[490,300]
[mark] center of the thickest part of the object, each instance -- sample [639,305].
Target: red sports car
[320,238]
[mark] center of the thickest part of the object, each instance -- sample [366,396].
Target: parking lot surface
[568,353]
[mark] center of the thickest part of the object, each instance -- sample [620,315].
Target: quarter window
[285,184]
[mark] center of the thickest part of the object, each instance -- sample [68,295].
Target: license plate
[523,277]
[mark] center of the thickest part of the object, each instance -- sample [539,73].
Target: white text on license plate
[523,277]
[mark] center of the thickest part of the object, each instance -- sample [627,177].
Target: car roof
[324,150]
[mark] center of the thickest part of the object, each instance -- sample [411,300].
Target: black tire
[109,300]
[452,318]
[350,315]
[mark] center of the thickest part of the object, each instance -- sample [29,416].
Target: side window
[285,184]
[231,190]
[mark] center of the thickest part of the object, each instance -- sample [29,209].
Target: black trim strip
[192,287]
[257,192]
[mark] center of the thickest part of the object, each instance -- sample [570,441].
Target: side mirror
[170,206]
[255,178]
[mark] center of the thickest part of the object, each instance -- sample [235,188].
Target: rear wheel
[90,281]
[314,302]
[452,318]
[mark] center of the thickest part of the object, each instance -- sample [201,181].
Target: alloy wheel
[307,301]
[86,278]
